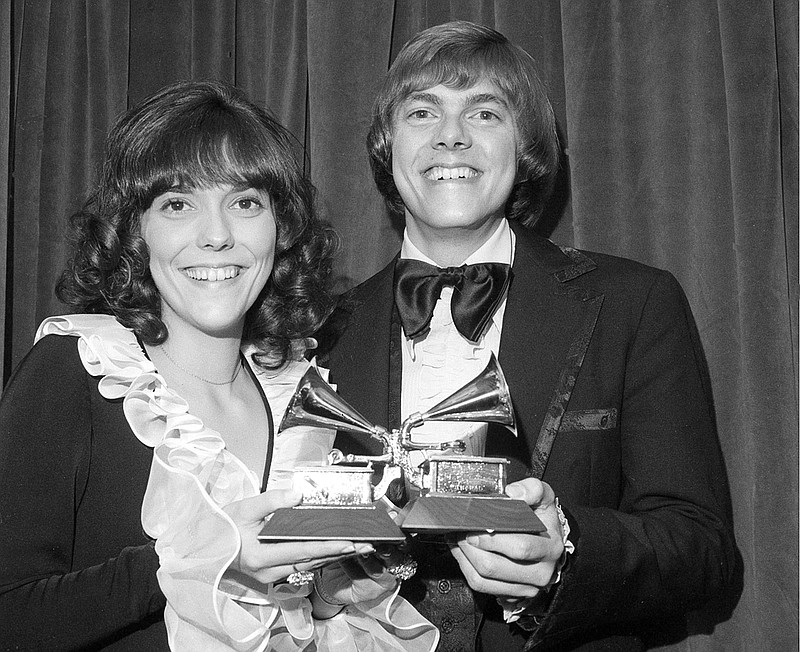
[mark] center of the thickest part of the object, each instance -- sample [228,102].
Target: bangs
[209,147]
[459,68]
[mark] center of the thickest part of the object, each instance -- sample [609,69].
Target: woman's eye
[175,205]
[420,114]
[248,203]
[487,115]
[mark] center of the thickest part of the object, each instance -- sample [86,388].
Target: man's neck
[450,247]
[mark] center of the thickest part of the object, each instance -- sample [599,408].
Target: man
[612,406]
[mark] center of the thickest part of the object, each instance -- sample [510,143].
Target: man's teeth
[211,273]
[438,173]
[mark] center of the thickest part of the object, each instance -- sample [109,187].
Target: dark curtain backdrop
[679,123]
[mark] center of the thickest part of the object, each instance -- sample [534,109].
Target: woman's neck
[213,360]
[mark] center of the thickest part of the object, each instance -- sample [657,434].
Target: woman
[135,438]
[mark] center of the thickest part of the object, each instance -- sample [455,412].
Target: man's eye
[487,115]
[420,114]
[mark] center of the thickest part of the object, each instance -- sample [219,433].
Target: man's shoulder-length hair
[459,55]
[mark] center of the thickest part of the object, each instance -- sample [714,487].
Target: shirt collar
[499,248]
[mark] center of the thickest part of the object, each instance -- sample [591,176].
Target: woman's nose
[215,232]
[452,133]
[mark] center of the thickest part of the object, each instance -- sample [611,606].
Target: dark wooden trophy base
[363,523]
[438,514]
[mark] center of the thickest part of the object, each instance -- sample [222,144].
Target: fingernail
[473,540]
[366,549]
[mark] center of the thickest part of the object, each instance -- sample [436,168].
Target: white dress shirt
[441,361]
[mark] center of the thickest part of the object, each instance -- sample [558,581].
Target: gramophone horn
[315,403]
[484,398]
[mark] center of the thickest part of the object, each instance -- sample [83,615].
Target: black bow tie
[477,292]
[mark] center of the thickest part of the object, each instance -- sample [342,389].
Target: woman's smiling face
[211,254]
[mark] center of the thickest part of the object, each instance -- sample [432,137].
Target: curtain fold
[679,126]
[175,41]
[345,69]
[761,313]
[6,149]
[272,60]
[69,87]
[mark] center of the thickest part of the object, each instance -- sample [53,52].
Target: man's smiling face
[454,160]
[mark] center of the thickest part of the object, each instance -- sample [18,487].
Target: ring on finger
[300,578]
[405,570]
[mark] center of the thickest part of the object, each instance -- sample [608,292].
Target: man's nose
[215,230]
[452,133]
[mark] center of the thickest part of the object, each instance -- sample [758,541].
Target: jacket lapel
[360,361]
[546,330]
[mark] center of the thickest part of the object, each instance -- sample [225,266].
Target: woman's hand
[272,562]
[355,580]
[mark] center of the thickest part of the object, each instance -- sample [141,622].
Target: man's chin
[458,218]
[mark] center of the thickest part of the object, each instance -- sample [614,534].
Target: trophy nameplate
[466,494]
[337,504]
[460,474]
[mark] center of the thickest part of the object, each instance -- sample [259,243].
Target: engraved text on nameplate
[334,486]
[476,476]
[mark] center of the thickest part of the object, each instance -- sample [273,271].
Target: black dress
[77,570]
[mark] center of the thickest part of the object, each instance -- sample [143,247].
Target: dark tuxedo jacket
[613,410]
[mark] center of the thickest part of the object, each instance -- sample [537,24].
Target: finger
[375,569]
[361,567]
[531,490]
[519,547]
[367,567]
[306,555]
[391,555]
[490,565]
[373,566]
[512,587]
[276,572]
[256,508]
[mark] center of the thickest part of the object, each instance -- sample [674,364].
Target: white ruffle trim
[191,478]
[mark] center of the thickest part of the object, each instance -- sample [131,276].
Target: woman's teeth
[211,273]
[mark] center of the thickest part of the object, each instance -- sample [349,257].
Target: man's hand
[515,565]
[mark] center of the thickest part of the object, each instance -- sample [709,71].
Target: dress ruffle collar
[192,477]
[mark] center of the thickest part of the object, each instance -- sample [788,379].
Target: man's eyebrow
[487,98]
[422,96]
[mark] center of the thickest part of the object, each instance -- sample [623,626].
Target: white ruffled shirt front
[441,360]
[192,477]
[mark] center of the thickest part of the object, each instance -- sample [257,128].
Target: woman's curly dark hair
[199,134]
[460,54]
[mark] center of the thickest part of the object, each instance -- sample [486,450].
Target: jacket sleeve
[668,546]
[45,462]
